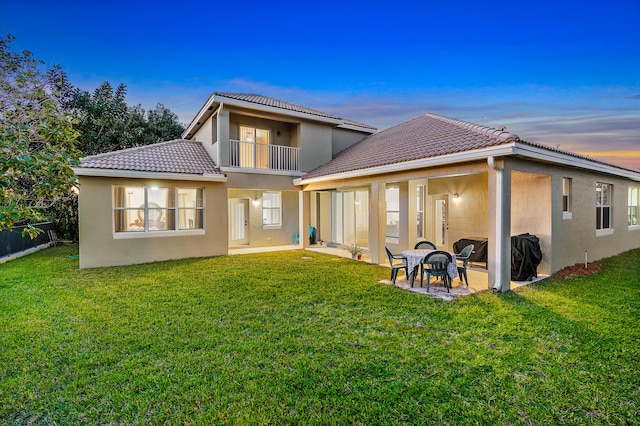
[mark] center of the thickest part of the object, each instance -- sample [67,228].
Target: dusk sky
[554,72]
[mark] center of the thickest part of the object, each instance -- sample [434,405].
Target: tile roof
[426,136]
[177,156]
[277,103]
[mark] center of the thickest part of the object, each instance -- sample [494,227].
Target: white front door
[239,221]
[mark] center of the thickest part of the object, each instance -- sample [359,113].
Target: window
[633,206]
[603,206]
[144,209]
[271,209]
[420,212]
[392,196]
[566,197]
[190,208]
[254,148]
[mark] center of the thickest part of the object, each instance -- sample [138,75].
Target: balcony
[251,155]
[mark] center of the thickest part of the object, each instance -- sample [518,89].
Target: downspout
[491,161]
[218,143]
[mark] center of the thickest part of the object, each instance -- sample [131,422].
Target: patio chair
[463,260]
[424,245]
[435,265]
[397,262]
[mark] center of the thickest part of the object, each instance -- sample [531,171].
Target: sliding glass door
[350,217]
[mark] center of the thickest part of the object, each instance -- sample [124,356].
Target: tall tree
[106,123]
[37,139]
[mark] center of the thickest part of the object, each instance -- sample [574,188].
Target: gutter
[459,157]
[491,161]
[135,174]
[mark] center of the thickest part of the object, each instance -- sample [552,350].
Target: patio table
[415,257]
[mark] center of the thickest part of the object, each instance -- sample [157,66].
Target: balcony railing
[263,156]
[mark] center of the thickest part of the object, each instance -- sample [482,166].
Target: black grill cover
[525,257]
[480,251]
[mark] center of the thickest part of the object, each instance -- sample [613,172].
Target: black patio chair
[463,259]
[397,262]
[435,265]
[424,245]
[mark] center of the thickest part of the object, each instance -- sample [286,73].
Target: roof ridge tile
[484,130]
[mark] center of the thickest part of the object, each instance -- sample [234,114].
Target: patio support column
[222,134]
[304,205]
[376,238]
[499,227]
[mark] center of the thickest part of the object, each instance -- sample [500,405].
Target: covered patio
[478,278]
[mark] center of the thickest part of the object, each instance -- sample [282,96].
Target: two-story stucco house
[227,184]
[253,171]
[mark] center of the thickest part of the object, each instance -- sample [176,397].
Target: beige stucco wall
[468,214]
[315,139]
[408,180]
[531,207]
[260,236]
[344,138]
[280,132]
[98,247]
[571,237]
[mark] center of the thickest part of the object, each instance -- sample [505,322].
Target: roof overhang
[215,101]
[550,156]
[134,174]
[357,128]
[441,160]
[513,148]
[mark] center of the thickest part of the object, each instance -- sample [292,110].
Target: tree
[37,139]
[106,123]
[162,124]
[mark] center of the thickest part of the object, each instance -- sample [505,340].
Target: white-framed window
[634,202]
[254,149]
[139,209]
[271,209]
[567,184]
[392,196]
[603,206]
[420,211]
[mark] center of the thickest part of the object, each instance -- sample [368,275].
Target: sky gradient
[554,72]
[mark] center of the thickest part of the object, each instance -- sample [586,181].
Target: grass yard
[305,338]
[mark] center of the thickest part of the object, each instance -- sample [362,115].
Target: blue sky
[554,72]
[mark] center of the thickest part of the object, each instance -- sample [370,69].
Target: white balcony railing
[263,156]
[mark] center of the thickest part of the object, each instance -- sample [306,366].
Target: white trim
[156,234]
[477,154]
[572,161]
[200,116]
[227,169]
[633,228]
[205,177]
[603,232]
[567,215]
[497,237]
[357,128]
[513,148]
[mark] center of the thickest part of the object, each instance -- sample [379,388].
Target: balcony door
[254,149]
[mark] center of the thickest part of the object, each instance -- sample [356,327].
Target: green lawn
[304,338]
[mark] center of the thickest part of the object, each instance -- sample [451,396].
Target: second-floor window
[603,206]
[254,150]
